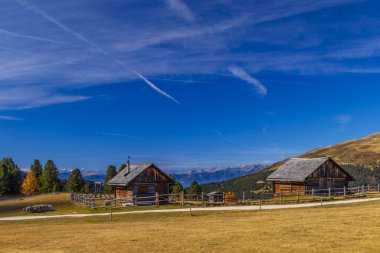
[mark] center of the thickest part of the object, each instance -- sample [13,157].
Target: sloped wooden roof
[124,177]
[298,169]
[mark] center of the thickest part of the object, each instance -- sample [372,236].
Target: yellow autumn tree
[29,186]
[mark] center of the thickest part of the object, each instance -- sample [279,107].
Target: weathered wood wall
[288,188]
[328,175]
[146,184]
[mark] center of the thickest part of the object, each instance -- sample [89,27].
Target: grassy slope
[357,154]
[61,203]
[364,152]
[348,228]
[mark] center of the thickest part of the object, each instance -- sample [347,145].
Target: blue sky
[185,84]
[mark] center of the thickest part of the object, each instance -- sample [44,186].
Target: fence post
[368,189]
[312,194]
[362,190]
[223,199]
[260,203]
[344,191]
[203,199]
[280,194]
[182,198]
[111,210]
[359,190]
[329,193]
[157,199]
[243,198]
[297,197]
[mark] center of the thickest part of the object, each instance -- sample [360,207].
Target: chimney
[128,165]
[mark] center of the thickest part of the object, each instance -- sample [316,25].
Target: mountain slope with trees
[360,157]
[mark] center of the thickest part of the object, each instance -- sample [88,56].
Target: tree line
[39,179]
[45,179]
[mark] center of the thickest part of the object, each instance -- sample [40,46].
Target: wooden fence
[90,199]
[182,199]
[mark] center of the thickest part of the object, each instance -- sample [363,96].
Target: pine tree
[123,166]
[194,189]
[176,187]
[111,172]
[10,177]
[75,182]
[87,187]
[49,178]
[36,168]
[4,179]
[29,185]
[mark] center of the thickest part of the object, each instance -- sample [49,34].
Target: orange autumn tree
[29,186]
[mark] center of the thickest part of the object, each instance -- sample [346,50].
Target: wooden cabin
[304,174]
[140,183]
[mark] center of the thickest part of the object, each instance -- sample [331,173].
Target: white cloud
[80,51]
[20,97]
[80,37]
[240,73]
[343,119]
[181,9]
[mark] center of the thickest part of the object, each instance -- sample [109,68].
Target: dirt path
[223,208]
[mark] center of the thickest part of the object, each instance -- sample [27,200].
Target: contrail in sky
[38,11]
[240,73]
[224,137]
[80,37]
[154,87]
[13,34]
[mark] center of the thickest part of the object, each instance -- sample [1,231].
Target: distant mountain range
[360,157]
[88,176]
[204,176]
[186,177]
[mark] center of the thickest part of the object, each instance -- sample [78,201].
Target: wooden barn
[140,183]
[304,174]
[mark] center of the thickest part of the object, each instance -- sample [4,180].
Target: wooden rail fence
[182,199]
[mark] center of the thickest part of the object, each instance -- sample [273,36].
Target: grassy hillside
[361,158]
[318,229]
[364,152]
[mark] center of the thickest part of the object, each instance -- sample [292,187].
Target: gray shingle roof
[297,169]
[123,177]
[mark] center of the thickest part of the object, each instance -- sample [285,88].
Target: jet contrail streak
[13,34]
[80,37]
[38,11]
[154,87]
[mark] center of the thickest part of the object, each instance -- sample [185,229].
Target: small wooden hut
[141,183]
[304,174]
[215,197]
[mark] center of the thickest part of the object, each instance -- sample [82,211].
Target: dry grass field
[62,205]
[61,201]
[347,228]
